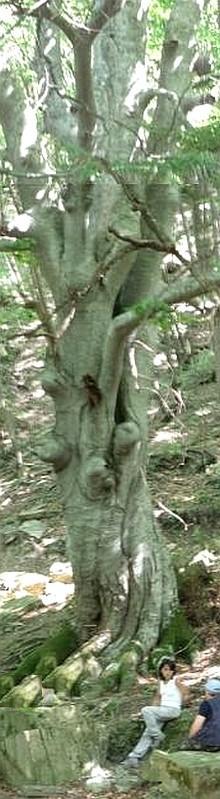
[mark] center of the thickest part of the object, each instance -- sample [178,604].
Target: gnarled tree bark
[98,371]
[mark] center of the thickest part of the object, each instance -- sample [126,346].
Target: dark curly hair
[166,661]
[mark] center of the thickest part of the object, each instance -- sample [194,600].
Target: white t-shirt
[170,694]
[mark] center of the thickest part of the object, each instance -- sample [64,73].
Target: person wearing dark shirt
[205,730]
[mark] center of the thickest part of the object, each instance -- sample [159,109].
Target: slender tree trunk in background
[98,369]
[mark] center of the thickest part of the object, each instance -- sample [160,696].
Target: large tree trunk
[123,581]
[99,367]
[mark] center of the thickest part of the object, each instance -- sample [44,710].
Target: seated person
[167,706]
[205,730]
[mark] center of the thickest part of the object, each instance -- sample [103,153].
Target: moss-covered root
[43,659]
[63,678]
[6,684]
[29,692]
[80,670]
[83,673]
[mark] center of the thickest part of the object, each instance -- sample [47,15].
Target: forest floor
[36,578]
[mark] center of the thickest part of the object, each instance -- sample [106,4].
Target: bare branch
[71,29]
[150,244]
[188,288]
[36,6]
[171,513]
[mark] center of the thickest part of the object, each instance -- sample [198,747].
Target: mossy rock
[50,747]
[58,646]
[185,774]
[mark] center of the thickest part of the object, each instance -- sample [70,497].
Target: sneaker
[131,761]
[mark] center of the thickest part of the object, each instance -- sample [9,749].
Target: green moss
[177,731]
[58,647]
[123,736]
[201,369]
[181,636]
[166,455]
[193,584]
[46,664]
[6,683]
[27,693]
[128,669]
[109,679]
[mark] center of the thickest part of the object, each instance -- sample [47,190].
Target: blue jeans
[154,717]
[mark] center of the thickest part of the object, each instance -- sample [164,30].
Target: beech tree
[89,137]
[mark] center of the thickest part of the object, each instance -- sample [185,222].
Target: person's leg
[154,717]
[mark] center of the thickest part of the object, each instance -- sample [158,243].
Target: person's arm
[197,725]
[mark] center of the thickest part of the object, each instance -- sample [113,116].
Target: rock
[30,582]
[27,693]
[125,779]
[99,780]
[9,534]
[49,698]
[49,745]
[34,528]
[33,582]
[185,774]
[61,571]
[57,593]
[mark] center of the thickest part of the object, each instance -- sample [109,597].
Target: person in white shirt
[167,706]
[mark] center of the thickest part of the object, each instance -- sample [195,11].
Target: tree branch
[71,29]
[113,356]
[124,324]
[19,124]
[48,65]
[150,244]
[105,10]
[84,94]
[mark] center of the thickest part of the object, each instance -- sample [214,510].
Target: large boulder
[185,774]
[49,746]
